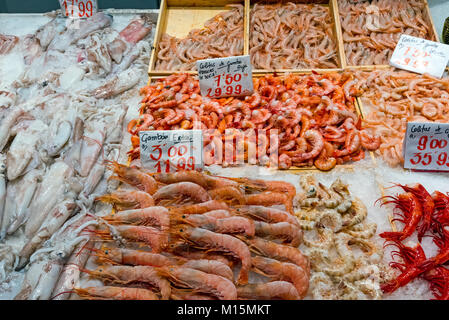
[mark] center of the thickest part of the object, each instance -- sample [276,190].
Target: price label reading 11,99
[78,8]
[225,77]
[427,146]
[171,150]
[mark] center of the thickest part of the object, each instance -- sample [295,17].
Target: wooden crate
[333,7]
[178,17]
[427,17]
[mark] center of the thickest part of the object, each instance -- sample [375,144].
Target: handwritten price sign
[171,150]
[78,8]
[427,146]
[420,56]
[225,77]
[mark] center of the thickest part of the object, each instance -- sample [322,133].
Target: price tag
[225,77]
[78,8]
[171,150]
[420,56]
[427,146]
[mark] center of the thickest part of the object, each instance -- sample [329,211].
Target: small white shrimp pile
[344,261]
[393,98]
[222,36]
[371,29]
[292,36]
[196,233]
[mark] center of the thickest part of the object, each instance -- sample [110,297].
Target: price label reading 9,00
[171,150]
[427,146]
[78,8]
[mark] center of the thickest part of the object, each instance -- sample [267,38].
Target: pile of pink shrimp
[371,29]
[222,36]
[309,119]
[193,231]
[393,98]
[292,36]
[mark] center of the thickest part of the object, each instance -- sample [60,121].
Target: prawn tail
[391,235]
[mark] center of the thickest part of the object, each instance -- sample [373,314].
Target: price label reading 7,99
[171,150]
[225,77]
[427,146]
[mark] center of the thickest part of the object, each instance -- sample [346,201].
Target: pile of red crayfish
[428,214]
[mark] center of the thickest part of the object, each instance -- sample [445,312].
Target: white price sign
[225,77]
[78,8]
[171,150]
[420,56]
[427,146]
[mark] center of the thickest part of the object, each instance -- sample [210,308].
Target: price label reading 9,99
[171,150]
[78,8]
[225,77]
[427,146]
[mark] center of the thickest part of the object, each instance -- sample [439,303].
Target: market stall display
[297,196]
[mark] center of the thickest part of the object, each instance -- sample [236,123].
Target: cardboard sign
[171,150]
[225,77]
[427,146]
[420,56]
[78,8]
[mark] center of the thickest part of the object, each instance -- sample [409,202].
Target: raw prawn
[268,291]
[128,199]
[218,242]
[200,281]
[133,177]
[283,271]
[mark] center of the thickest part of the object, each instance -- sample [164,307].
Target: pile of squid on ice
[183,235]
[60,119]
[313,119]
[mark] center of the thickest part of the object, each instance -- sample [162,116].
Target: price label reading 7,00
[78,8]
[427,146]
[171,150]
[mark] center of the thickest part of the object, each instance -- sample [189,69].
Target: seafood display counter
[313,202]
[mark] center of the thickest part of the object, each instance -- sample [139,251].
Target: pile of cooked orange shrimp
[312,117]
[371,29]
[292,36]
[196,231]
[393,98]
[221,36]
